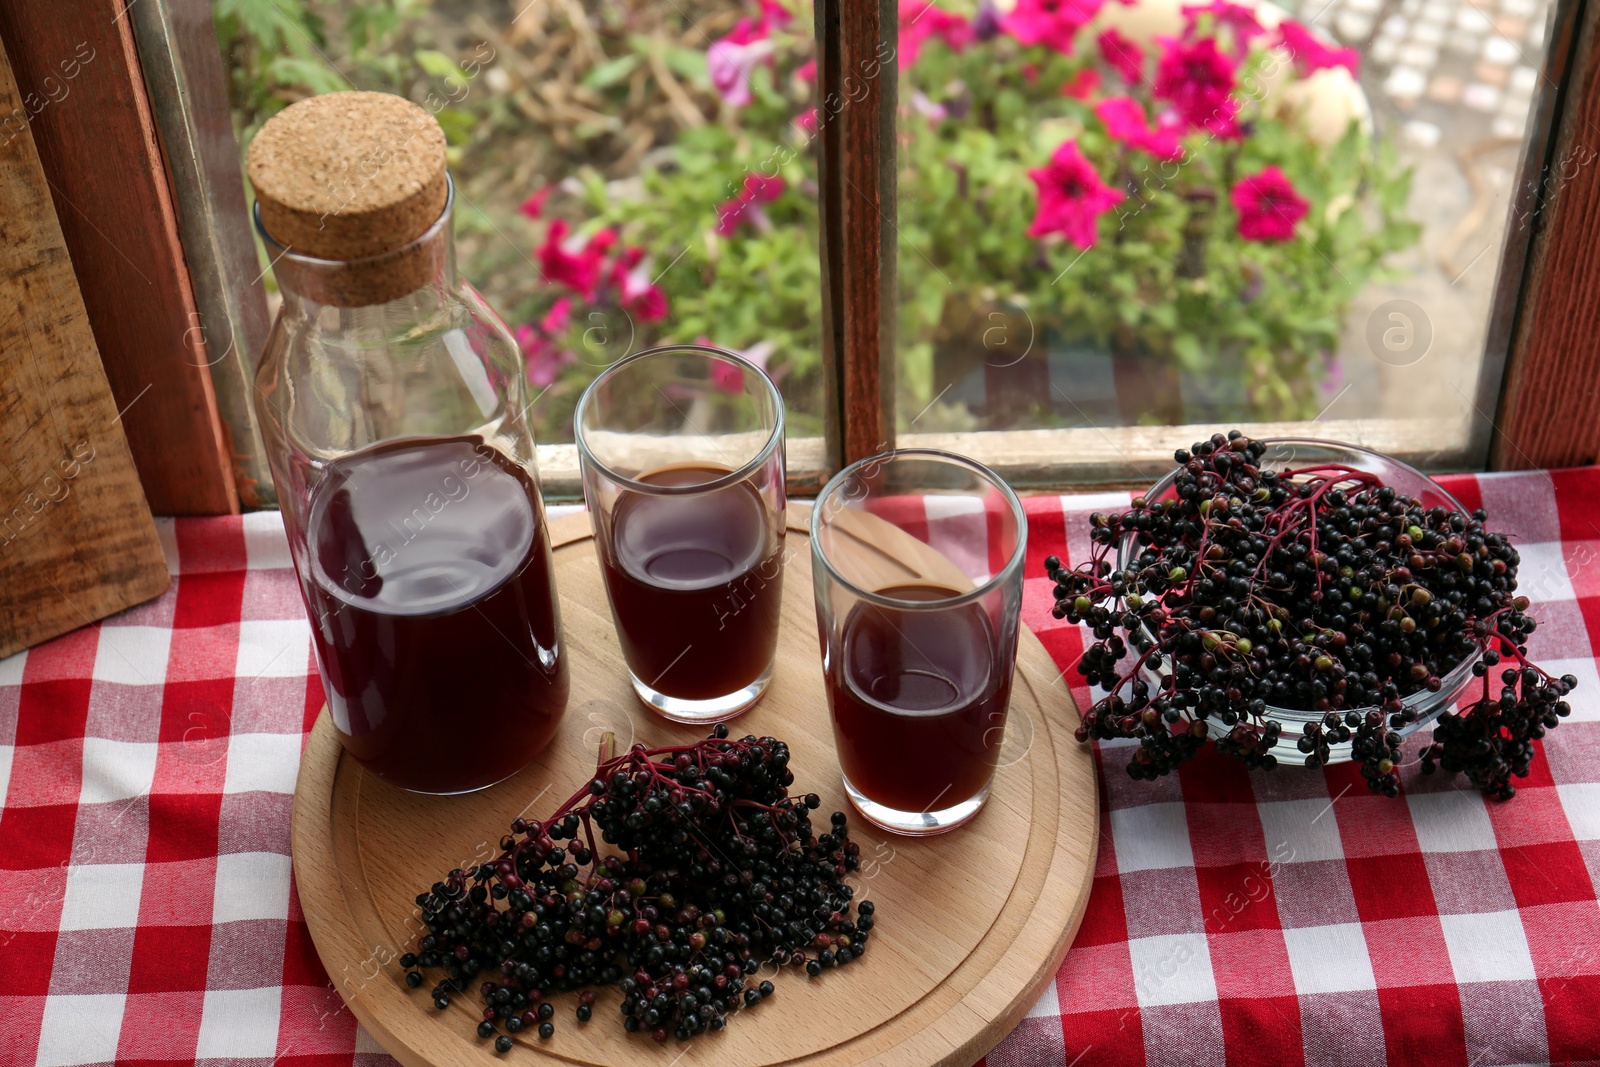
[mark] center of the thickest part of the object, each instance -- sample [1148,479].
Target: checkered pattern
[147,915]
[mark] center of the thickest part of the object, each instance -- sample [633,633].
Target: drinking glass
[681,450]
[917,561]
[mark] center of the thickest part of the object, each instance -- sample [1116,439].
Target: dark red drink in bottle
[433,612]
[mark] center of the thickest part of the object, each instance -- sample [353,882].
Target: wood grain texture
[971,924]
[1551,390]
[97,142]
[76,539]
[856,95]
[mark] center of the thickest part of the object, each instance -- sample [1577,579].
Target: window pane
[627,173]
[1135,215]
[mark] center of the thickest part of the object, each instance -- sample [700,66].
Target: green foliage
[283,50]
[1169,277]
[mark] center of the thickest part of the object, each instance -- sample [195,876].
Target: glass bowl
[1297,452]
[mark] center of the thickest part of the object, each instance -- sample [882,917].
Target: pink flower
[533,207]
[774,14]
[758,189]
[637,293]
[1198,80]
[651,305]
[1310,54]
[922,19]
[1239,21]
[1125,122]
[1052,23]
[1268,206]
[558,318]
[807,71]
[764,188]
[807,121]
[934,113]
[1122,55]
[542,357]
[1083,85]
[730,60]
[1071,197]
[571,262]
[728,377]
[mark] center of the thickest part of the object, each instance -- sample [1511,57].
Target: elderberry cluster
[1319,588]
[675,874]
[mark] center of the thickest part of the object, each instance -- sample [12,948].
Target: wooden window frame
[145,162]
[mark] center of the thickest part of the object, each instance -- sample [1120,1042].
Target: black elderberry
[686,869]
[1317,588]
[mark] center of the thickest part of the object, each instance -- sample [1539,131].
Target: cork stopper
[352,176]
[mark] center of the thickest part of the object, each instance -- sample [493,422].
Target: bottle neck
[363,293]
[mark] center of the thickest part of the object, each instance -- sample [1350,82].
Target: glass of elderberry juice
[917,562]
[681,450]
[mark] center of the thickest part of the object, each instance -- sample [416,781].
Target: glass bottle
[392,401]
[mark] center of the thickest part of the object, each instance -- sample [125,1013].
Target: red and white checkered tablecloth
[147,915]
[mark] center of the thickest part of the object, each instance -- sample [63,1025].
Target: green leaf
[1186,346]
[457,124]
[612,71]
[438,65]
[313,74]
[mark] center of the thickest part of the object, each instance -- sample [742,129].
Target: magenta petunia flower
[637,294]
[1122,55]
[1052,23]
[1198,80]
[758,189]
[1083,85]
[923,19]
[1310,54]
[764,188]
[807,71]
[558,318]
[1268,206]
[1071,197]
[1125,121]
[731,58]
[571,261]
[775,14]
[1237,20]
[533,207]
[541,356]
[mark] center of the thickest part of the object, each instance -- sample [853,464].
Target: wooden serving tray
[971,924]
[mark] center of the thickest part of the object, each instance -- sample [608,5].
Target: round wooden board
[971,924]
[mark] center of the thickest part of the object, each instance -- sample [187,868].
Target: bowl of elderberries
[1307,602]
